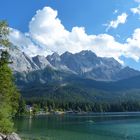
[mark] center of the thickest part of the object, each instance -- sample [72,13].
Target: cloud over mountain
[47,34]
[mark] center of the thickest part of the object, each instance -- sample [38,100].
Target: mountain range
[85,64]
[69,76]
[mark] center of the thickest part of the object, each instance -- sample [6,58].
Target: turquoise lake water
[109,126]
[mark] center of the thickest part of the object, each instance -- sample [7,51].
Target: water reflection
[30,122]
[114,126]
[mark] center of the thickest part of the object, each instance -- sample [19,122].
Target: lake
[107,126]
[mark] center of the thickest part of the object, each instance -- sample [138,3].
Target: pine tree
[21,108]
[8,92]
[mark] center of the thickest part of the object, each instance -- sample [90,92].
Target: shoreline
[83,113]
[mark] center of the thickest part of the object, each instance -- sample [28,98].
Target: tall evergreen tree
[8,91]
[21,108]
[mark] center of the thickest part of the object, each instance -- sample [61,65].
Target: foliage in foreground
[8,92]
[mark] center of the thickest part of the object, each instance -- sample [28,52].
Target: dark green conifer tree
[8,92]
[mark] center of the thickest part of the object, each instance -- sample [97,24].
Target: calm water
[120,126]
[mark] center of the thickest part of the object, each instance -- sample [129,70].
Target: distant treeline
[55,105]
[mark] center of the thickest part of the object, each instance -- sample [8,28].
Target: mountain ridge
[85,64]
[67,76]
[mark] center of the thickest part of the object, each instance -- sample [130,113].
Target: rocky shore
[12,136]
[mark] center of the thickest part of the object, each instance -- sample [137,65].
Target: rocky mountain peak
[21,61]
[87,52]
[85,64]
[41,62]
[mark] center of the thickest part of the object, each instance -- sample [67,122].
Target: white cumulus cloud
[137,1]
[133,45]
[121,19]
[25,43]
[47,34]
[21,40]
[136,10]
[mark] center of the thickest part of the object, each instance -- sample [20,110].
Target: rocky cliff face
[70,75]
[86,64]
[83,64]
[56,61]
[41,62]
[21,62]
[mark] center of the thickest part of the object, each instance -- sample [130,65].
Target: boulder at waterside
[12,136]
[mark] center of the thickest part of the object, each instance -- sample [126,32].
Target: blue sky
[88,13]
[95,16]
